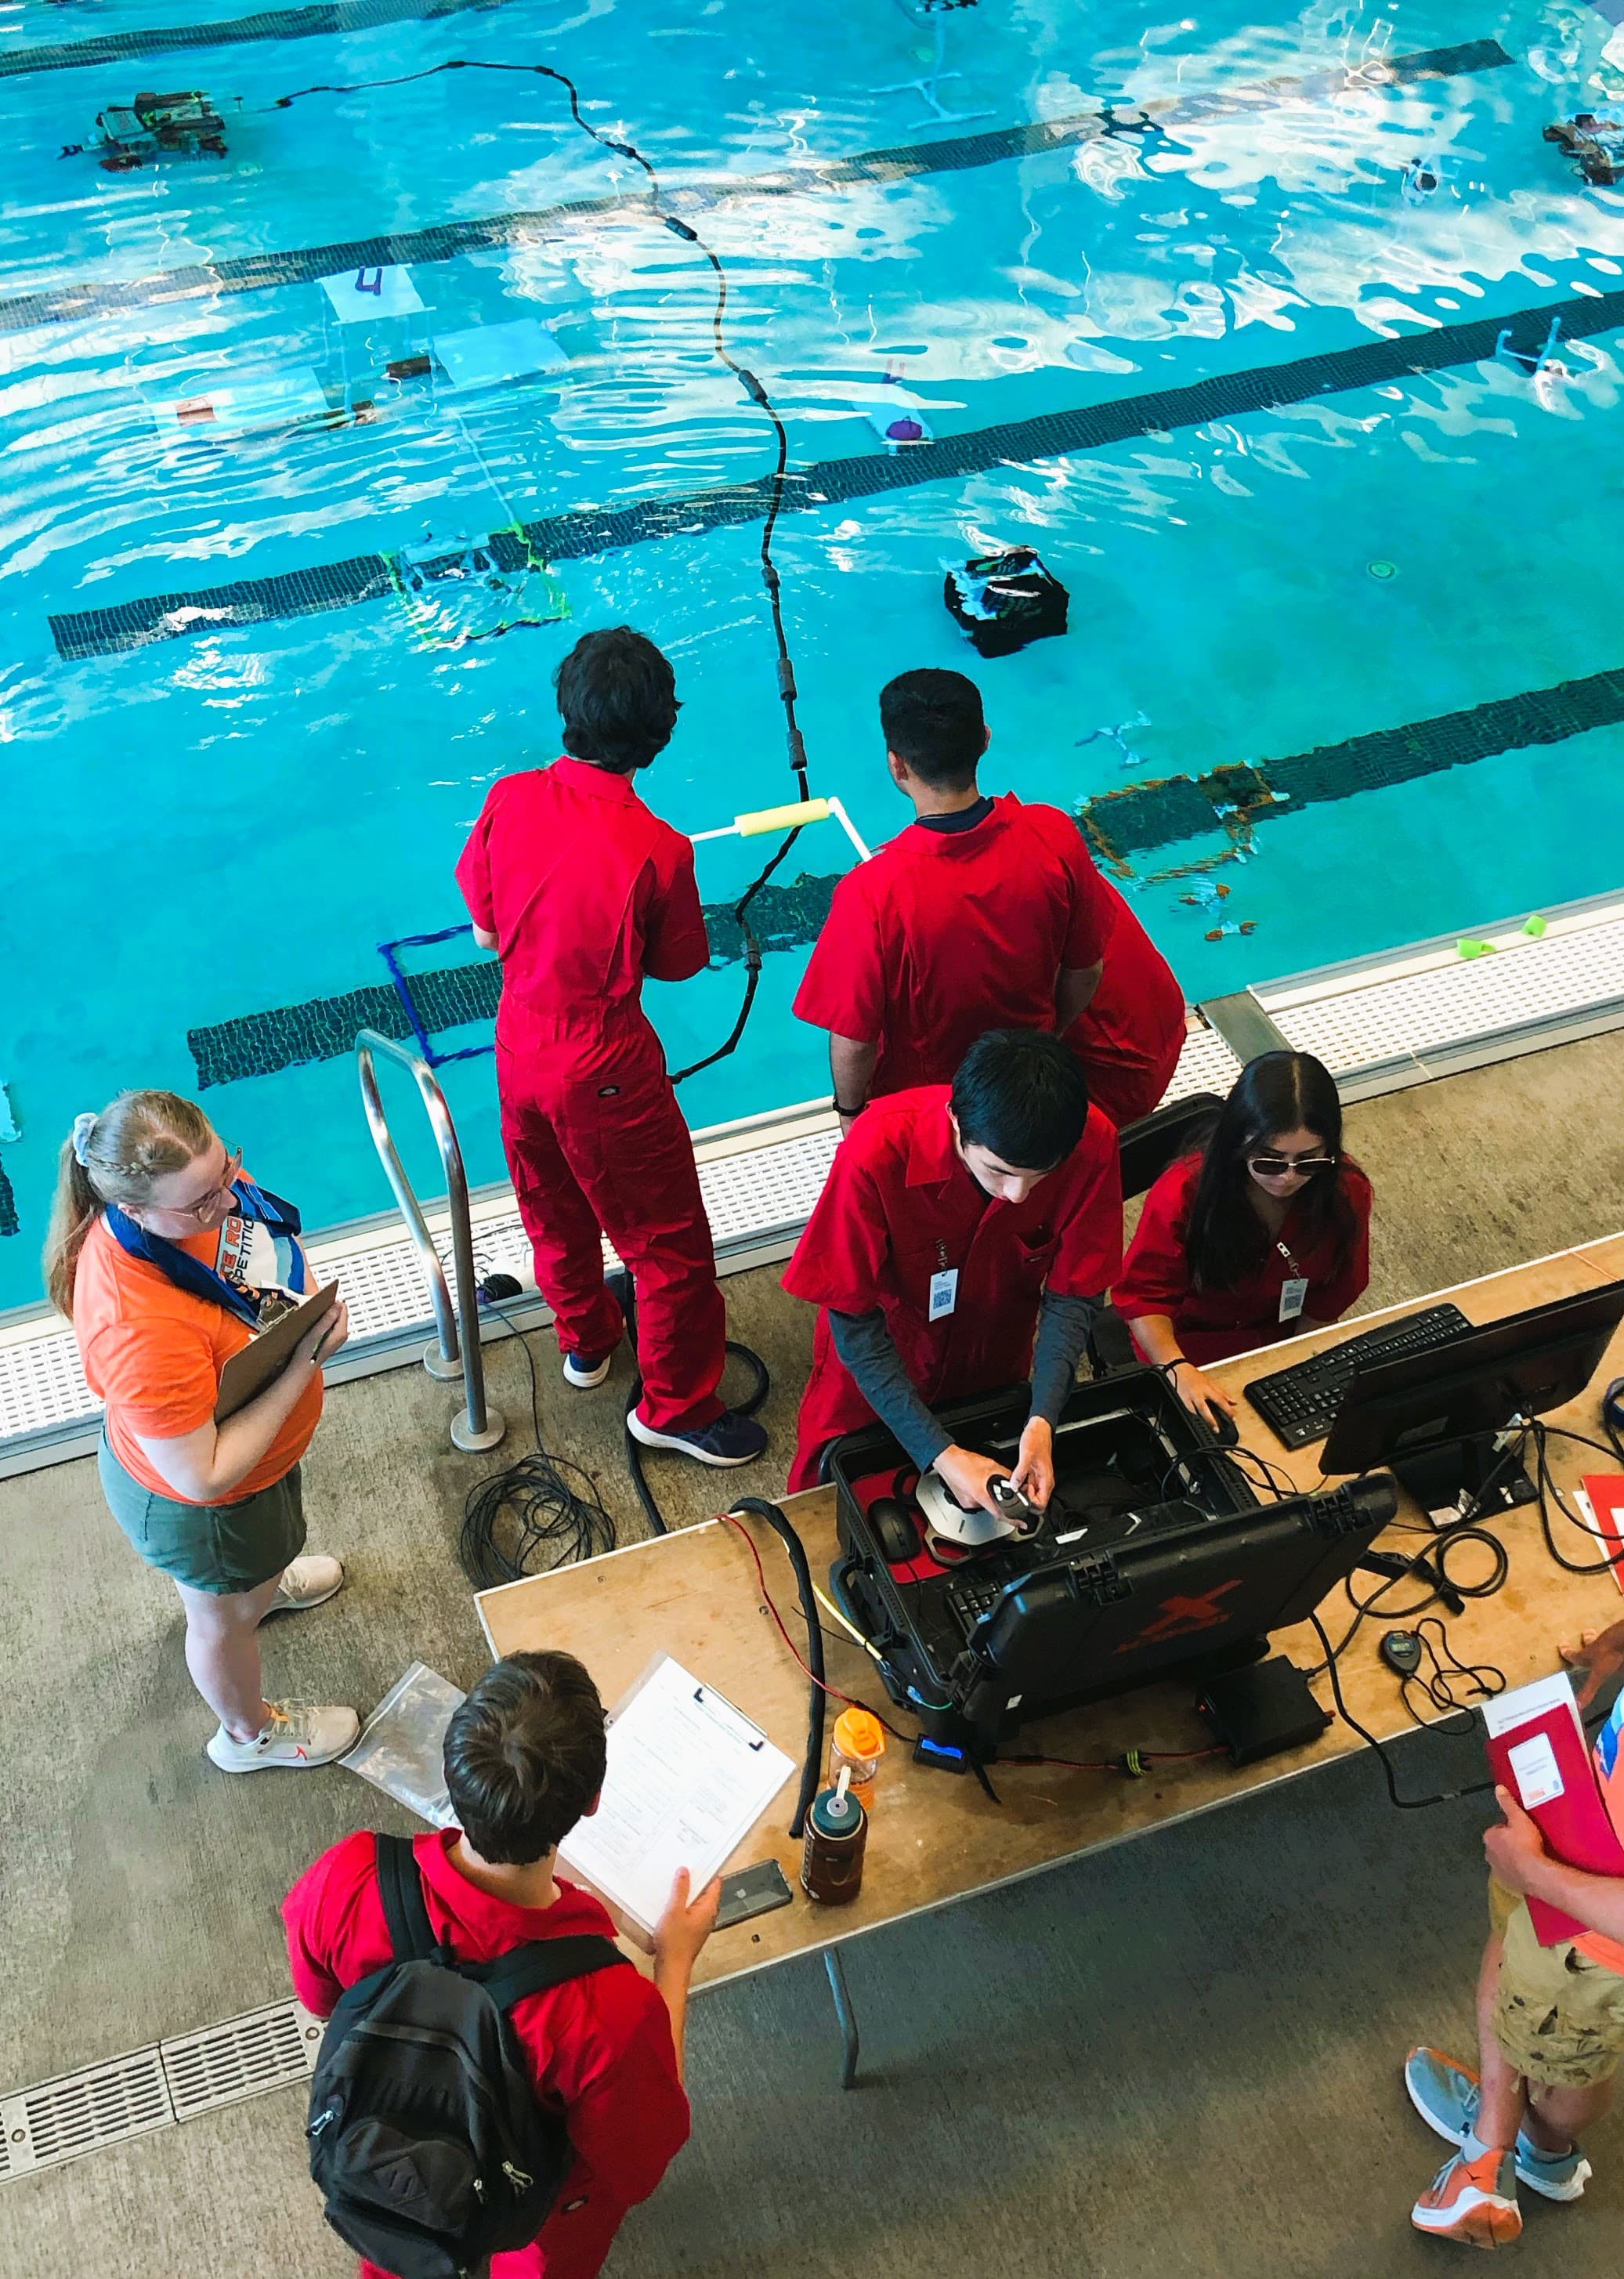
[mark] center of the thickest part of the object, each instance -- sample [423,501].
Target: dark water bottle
[831,1854]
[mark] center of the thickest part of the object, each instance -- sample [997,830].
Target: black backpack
[426,2134]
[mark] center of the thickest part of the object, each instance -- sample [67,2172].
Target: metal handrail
[478,1426]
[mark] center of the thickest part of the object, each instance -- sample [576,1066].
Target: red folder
[1575,1824]
[1604,1494]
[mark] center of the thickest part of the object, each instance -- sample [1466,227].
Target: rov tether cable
[758,395]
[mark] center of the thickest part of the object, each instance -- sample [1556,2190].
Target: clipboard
[689,1776]
[265,1356]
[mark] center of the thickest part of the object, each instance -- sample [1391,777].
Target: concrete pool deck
[142,1888]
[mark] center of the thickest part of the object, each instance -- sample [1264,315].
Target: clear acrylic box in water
[402,1744]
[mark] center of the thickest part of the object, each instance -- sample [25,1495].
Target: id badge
[945,1292]
[1293,1296]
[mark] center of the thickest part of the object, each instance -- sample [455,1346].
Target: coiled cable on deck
[753,387]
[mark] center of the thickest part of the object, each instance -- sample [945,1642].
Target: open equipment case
[1154,1557]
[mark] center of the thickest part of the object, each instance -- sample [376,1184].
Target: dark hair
[934,721]
[1021,1094]
[525,1756]
[1278,1092]
[618,695]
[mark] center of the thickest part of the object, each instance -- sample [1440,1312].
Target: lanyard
[190,1274]
[1292,1267]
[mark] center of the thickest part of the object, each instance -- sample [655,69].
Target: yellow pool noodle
[781,818]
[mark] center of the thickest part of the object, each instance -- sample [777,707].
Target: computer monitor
[1156,1560]
[1434,1417]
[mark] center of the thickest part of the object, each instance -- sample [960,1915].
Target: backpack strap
[400,1887]
[544,1963]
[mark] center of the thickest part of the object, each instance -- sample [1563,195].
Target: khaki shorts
[1558,2017]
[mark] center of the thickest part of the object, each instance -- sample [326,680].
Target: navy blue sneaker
[731,1439]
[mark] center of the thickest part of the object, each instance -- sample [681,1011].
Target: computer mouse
[1226,1431]
[895,1529]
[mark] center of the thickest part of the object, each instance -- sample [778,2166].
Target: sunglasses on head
[1277,1167]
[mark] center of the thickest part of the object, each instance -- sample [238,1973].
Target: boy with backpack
[499,2084]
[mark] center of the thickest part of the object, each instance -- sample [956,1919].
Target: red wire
[760,1576]
[1074,1764]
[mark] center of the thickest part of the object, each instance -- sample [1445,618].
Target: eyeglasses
[206,1203]
[1277,1167]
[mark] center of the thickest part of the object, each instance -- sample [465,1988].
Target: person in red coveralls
[984,914]
[1263,1234]
[956,1223]
[525,1759]
[584,893]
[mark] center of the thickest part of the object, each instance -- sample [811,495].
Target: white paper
[1533,1765]
[1520,1706]
[688,1778]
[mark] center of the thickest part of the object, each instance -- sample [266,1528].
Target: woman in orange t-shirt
[168,1260]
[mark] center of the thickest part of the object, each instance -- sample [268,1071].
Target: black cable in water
[788,694]
[811,1770]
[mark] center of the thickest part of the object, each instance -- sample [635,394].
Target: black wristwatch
[841,1110]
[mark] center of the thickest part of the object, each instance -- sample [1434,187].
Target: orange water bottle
[859,1743]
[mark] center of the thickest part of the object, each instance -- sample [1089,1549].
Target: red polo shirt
[944,935]
[586,892]
[899,1206]
[600,2047]
[1211,1324]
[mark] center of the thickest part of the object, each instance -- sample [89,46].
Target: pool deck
[137,1847]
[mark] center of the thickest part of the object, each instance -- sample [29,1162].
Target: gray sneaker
[294,1734]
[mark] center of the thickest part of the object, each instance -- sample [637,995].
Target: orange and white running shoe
[1472,2198]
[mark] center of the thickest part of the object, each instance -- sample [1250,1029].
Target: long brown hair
[1277,1091]
[141,1136]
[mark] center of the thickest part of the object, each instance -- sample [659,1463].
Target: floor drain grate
[59,2121]
[82,2112]
[262,2050]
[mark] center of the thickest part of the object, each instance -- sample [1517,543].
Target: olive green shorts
[224,1547]
[1558,2017]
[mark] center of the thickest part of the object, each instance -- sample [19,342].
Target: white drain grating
[81,2112]
[1205,1064]
[154,2088]
[41,1382]
[1452,1006]
[260,2051]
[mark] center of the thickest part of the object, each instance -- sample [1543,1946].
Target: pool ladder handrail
[477,1425]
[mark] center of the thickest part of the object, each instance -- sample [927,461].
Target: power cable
[542,1502]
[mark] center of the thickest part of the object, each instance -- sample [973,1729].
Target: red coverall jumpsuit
[1132,1031]
[899,1207]
[1212,1324]
[943,935]
[600,2047]
[586,892]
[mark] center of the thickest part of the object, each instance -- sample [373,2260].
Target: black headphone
[1612,1412]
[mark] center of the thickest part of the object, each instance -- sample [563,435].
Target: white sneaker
[306,1582]
[292,1734]
[583,1372]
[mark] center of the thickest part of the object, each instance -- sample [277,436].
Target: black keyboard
[1299,1404]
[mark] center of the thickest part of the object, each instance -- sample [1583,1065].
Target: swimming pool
[1180,363]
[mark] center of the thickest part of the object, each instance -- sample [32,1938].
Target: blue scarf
[190,1274]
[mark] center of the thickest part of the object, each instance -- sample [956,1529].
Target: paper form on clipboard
[688,1777]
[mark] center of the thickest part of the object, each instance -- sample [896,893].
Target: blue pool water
[206,828]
